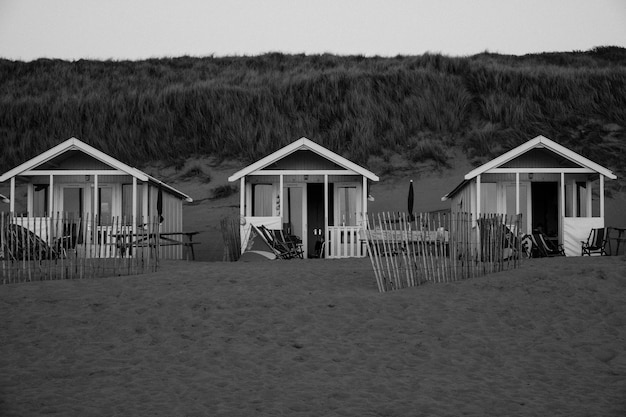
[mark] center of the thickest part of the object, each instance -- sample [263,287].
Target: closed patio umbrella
[160,204]
[410,201]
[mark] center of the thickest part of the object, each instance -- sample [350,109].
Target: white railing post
[326,226]
[350,247]
[601,198]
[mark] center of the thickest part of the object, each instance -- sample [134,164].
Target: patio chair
[498,239]
[544,247]
[595,242]
[294,243]
[512,243]
[527,245]
[280,248]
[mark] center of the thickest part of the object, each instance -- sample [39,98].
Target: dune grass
[361,107]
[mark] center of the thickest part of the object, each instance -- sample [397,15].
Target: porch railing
[344,242]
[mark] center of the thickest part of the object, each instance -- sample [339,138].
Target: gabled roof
[74,144]
[303,144]
[540,142]
[545,143]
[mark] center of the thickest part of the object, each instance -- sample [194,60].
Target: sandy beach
[315,338]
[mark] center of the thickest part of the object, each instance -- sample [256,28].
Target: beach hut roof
[74,144]
[540,142]
[304,144]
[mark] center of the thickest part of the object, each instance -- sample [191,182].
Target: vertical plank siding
[439,247]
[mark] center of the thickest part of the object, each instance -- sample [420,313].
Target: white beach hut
[308,191]
[63,180]
[554,188]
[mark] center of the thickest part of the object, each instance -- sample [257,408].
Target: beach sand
[315,338]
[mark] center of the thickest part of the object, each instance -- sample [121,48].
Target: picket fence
[66,247]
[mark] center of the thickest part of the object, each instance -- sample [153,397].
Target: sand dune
[315,338]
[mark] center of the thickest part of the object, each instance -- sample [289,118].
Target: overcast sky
[139,29]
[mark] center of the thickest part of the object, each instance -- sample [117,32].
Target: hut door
[73,202]
[293,210]
[545,207]
[73,215]
[510,201]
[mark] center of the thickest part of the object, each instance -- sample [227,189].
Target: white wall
[577,229]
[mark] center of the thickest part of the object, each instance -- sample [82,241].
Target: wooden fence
[231,236]
[66,247]
[439,247]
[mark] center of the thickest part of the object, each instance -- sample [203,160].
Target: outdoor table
[185,239]
[167,239]
[387,239]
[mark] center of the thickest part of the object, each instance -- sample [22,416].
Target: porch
[557,191]
[336,242]
[74,198]
[66,247]
[308,191]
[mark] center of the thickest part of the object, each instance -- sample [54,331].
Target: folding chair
[542,246]
[595,242]
[293,243]
[280,248]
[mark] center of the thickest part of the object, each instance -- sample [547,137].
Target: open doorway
[316,230]
[545,208]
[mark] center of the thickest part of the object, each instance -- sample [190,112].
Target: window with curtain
[511,191]
[40,200]
[347,206]
[105,205]
[488,198]
[127,204]
[262,199]
[581,200]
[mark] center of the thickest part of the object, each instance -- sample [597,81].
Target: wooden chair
[595,242]
[542,246]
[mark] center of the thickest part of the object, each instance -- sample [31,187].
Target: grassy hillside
[367,109]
